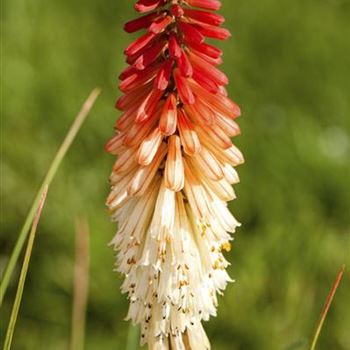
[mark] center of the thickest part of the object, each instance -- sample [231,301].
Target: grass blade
[80,118]
[81,284]
[24,270]
[326,307]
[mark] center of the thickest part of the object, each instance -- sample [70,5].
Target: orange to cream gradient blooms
[174,172]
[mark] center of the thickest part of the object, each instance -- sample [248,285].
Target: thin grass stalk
[79,120]
[81,283]
[326,307]
[24,270]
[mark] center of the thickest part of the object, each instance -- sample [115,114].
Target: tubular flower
[174,172]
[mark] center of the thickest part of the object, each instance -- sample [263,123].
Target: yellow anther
[226,246]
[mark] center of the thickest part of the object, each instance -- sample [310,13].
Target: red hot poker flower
[174,172]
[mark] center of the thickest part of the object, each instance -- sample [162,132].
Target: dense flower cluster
[174,172]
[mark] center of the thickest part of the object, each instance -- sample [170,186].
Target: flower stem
[133,336]
[80,118]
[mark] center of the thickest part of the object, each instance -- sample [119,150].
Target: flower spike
[174,172]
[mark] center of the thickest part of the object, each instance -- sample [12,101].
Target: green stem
[80,118]
[133,338]
[24,270]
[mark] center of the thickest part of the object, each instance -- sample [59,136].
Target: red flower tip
[150,55]
[163,77]
[139,44]
[205,17]
[171,62]
[174,47]
[211,31]
[177,11]
[184,64]
[183,88]
[140,23]
[191,34]
[148,5]
[213,5]
[160,25]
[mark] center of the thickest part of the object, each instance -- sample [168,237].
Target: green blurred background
[289,68]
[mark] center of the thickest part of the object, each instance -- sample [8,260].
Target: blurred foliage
[289,68]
